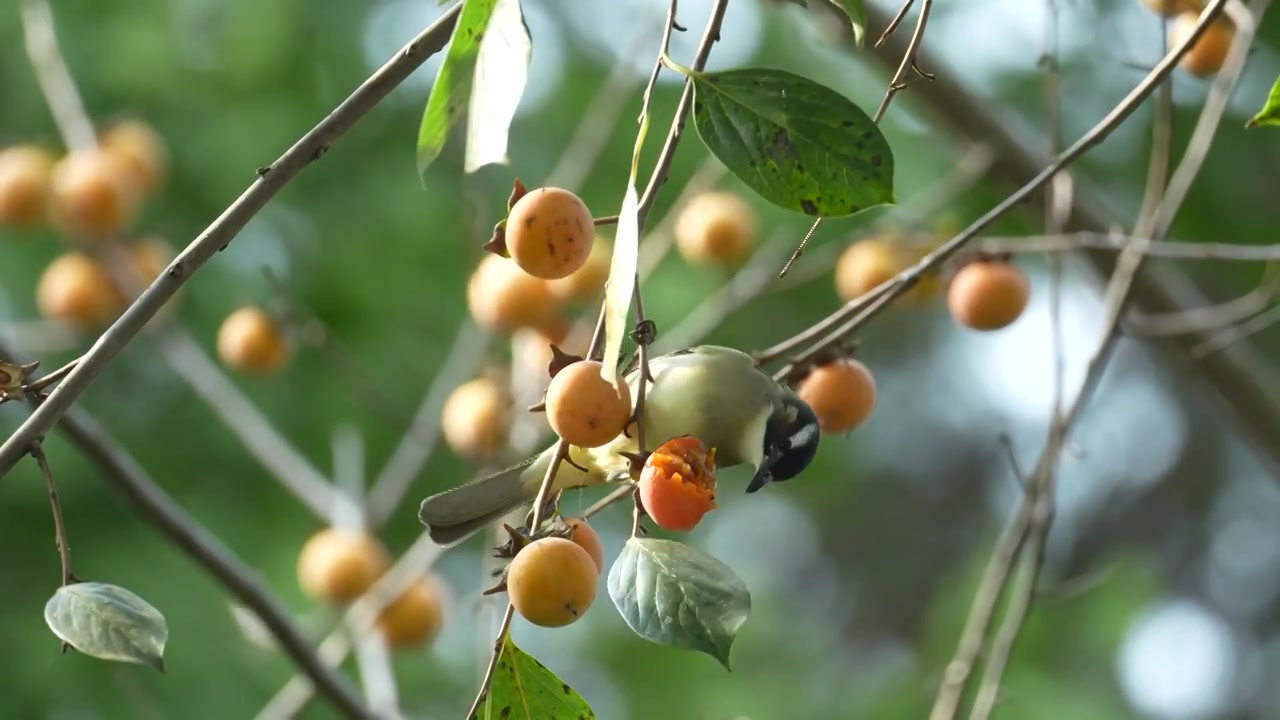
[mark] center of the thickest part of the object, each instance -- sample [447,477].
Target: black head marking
[790,442]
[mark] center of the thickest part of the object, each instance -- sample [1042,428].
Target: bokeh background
[1160,592]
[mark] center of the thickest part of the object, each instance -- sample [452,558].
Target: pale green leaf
[1270,113]
[624,265]
[524,689]
[676,595]
[502,69]
[798,144]
[857,14]
[108,622]
[451,93]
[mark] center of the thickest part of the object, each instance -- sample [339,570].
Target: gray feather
[452,516]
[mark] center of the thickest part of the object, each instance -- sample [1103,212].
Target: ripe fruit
[716,228]
[75,288]
[339,565]
[94,193]
[1210,50]
[250,341]
[415,617]
[552,582]
[588,281]
[588,539]
[142,151]
[1169,8]
[988,295]
[24,185]
[504,298]
[476,418]
[678,483]
[842,394]
[585,409]
[864,266]
[549,233]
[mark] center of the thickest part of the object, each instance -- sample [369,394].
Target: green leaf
[524,688]
[676,595]
[451,92]
[857,14]
[109,623]
[800,145]
[1270,113]
[621,284]
[502,69]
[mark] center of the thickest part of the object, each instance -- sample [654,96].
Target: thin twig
[59,527]
[190,537]
[1118,295]
[600,118]
[241,417]
[896,83]
[270,180]
[856,314]
[745,285]
[55,80]
[358,621]
[922,205]
[895,22]
[1167,249]
[393,482]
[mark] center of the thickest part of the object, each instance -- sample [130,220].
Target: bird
[717,394]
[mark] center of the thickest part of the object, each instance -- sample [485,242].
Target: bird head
[791,438]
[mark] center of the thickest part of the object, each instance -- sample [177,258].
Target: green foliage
[857,13]
[451,92]
[1270,112]
[522,687]
[108,622]
[798,144]
[674,594]
[502,68]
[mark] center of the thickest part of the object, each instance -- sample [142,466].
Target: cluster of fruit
[338,566]
[549,261]
[92,197]
[1206,56]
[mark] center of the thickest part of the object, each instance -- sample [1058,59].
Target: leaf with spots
[108,622]
[524,689]
[676,595]
[798,144]
[1270,113]
[451,92]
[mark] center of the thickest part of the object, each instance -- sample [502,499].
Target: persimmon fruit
[842,394]
[552,582]
[550,233]
[585,409]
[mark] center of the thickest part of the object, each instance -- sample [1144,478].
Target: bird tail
[453,515]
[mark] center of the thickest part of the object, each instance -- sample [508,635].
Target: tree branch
[223,230]
[185,532]
[1240,380]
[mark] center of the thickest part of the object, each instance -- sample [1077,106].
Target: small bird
[714,393]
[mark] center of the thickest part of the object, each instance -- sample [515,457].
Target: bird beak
[764,473]
[762,477]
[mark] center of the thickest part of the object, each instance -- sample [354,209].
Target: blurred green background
[1160,592]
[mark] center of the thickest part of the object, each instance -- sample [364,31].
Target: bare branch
[186,533]
[856,314]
